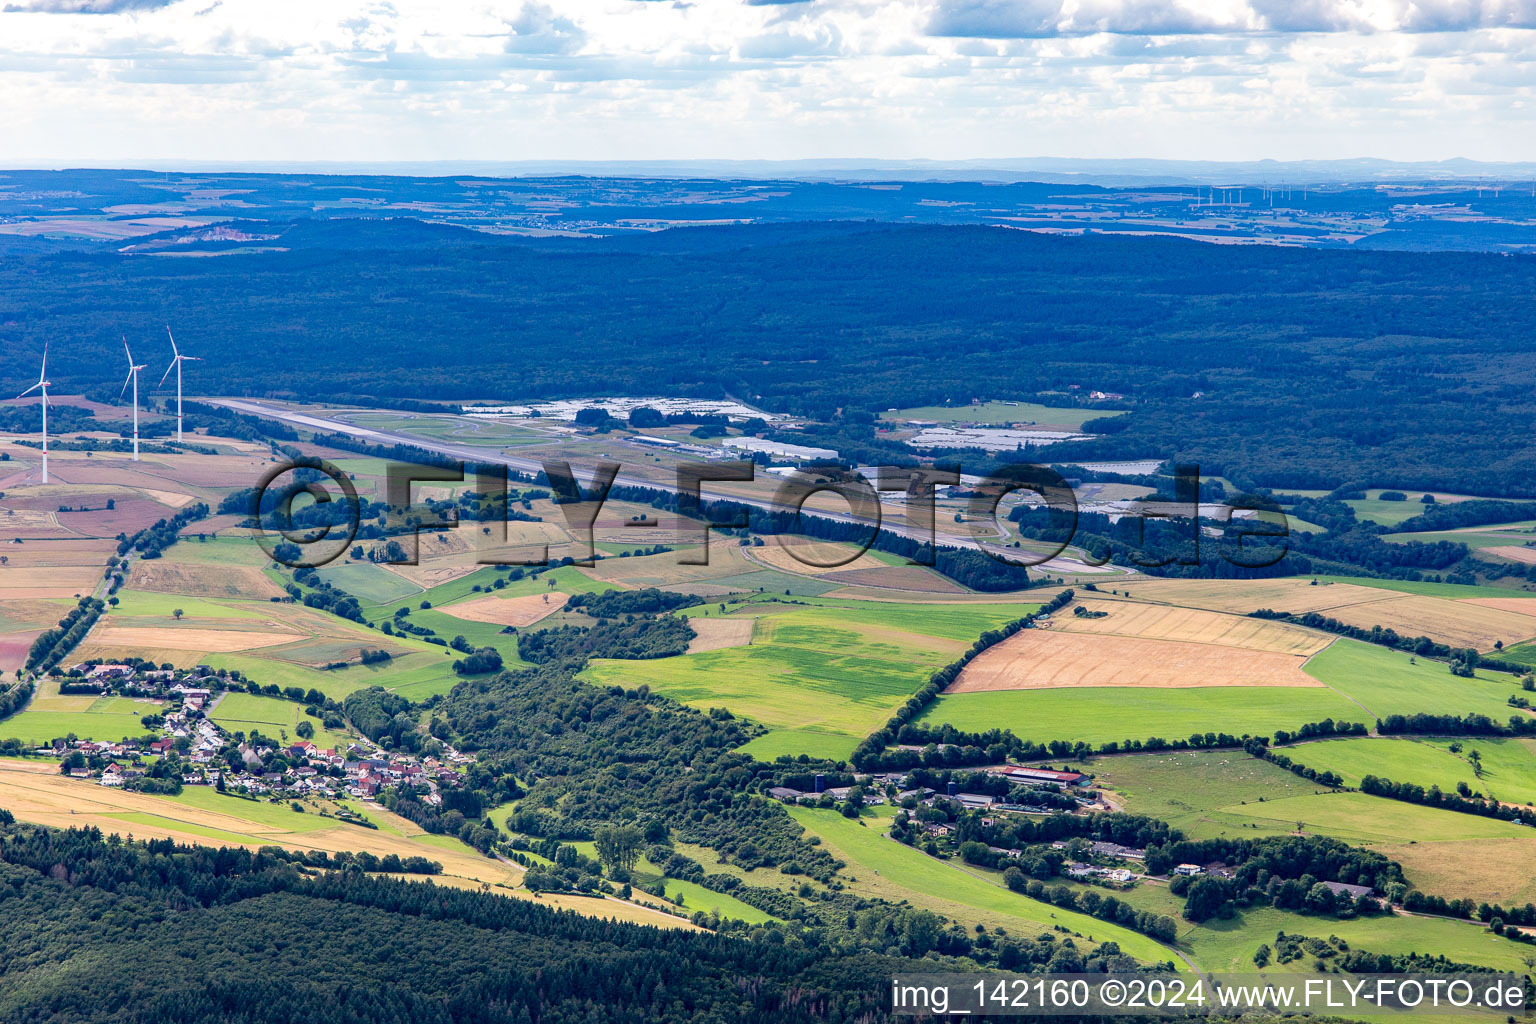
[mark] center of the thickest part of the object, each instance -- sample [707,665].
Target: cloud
[1046,19]
[538,29]
[85,6]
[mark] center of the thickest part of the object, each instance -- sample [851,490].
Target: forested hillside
[101,930]
[1314,367]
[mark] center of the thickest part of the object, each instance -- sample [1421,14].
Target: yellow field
[508,611]
[1471,623]
[718,633]
[228,581]
[1458,623]
[811,558]
[20,582]
[1521,605]
[1477,869]
[36,792]
[1038,659]
[1163,622]
[190,638]
[1513,552]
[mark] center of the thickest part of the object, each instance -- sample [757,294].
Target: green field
[1450,590]
[696,897]
[1116,713]
[1509,765]
[459,429]
[821,677]
[1476,537]
[1229,945]
[107,719]
[272,717]
[1361,819]
[369,583]
[1361,680]
[1387,513]
[240,550]
[1387,682]
[885,868]
[1186,788]
[1003,412]
[151,605]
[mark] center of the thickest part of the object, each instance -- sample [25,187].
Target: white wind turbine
[176,365]
[133,375]
[43,383]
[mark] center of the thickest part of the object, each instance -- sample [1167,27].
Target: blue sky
[113,81]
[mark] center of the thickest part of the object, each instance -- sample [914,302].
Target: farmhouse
[1041,776]
[785,793]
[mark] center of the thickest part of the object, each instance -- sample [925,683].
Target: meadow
[1508,765]
[884,868]
[999,413]
[1116,713]
[273,717]
[821,675]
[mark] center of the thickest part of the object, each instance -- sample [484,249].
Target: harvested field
[1163,622]
[716,634]
[508,611]
[1522,605]
[725,559]
[129,515]
[91,649]
[1458,623]
[1476,869]
[1514,552]
[230,581]
[897,577]
[792,554]
[58,550]
[19,616]
[25,582]
[35,792]
[1244,596]
[213,524]
[1039,659]
[28,523]
[191,638]
[13,649]
[324,651]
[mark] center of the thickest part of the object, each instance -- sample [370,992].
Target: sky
[117,81]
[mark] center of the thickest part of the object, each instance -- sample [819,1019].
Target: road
[473,453]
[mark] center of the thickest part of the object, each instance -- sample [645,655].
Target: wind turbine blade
[166,374]
[43,375]
[190,359]
[125,382]
[128,351]
[31,389]
[168,334]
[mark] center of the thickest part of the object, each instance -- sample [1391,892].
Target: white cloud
[119,80]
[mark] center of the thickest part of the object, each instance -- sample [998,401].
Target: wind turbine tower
[133,375]
[176,365]
[43,385]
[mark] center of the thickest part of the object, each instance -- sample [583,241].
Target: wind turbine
[133,375]
[176,365]
[43,383]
